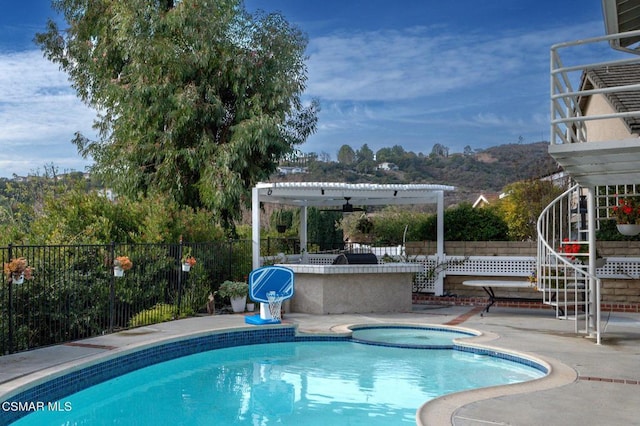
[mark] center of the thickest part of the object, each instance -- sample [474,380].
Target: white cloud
[39,109]
[420,85]
[423,62]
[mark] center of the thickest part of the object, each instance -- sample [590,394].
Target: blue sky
[412,73]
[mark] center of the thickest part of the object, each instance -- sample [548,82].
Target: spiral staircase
[566,261]
[594,137]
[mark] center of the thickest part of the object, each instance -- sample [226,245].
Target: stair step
[566,305]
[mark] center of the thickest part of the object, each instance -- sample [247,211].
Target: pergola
[335,194]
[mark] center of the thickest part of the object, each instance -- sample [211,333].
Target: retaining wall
[617,294]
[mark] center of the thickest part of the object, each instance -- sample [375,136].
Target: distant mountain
[472,173]
[485,171]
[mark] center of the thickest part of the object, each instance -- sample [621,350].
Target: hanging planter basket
[118,271]
[187,262]
[628,229]
[17,278]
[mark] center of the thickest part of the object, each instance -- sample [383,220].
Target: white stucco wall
[611,129]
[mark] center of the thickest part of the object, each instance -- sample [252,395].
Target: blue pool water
[293,383]
[408,336]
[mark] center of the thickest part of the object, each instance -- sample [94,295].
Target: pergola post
[255,228]
[439,279]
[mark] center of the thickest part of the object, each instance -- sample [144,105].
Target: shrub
[233,289]
[464,223]
[161,312]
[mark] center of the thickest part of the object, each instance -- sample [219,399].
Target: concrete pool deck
[589,385]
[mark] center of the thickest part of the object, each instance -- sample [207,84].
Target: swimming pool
[305,380]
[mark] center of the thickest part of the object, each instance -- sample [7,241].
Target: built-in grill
[356,259]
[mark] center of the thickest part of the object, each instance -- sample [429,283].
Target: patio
[589,384]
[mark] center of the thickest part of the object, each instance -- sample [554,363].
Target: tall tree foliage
[197,98]
[523,204]
[346,155]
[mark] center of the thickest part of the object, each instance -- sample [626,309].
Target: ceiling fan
[347,207]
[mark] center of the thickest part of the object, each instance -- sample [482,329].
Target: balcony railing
[568,67]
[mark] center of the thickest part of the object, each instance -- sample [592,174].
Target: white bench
[489,285]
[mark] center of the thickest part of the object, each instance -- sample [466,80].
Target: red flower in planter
[627,211]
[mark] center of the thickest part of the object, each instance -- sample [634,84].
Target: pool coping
[442,410]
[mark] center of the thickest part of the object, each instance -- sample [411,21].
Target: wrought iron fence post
[112,290]
[10,304]
[231,277]
[180,273]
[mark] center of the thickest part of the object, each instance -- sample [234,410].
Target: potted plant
[121,264]
[627,215]
[187,262]
[251,306]
[237,292]
[17,270]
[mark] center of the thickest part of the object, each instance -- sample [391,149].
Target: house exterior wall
[604,130]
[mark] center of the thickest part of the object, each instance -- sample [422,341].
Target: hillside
[486,171]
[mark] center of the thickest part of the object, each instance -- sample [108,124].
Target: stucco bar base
[344,289]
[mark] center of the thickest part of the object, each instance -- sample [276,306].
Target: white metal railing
[568,124]
[564,279]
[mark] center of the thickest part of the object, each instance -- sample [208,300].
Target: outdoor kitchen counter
[342,289]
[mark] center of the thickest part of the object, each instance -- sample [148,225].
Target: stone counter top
[385,268]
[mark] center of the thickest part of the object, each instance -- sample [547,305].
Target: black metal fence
[73,293]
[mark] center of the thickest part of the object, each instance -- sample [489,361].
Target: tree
[80,217]
[439,150]
[364,154]
[346,155]
[324,157]
[523,204]
[366,167]
[394,154]
[197,99]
